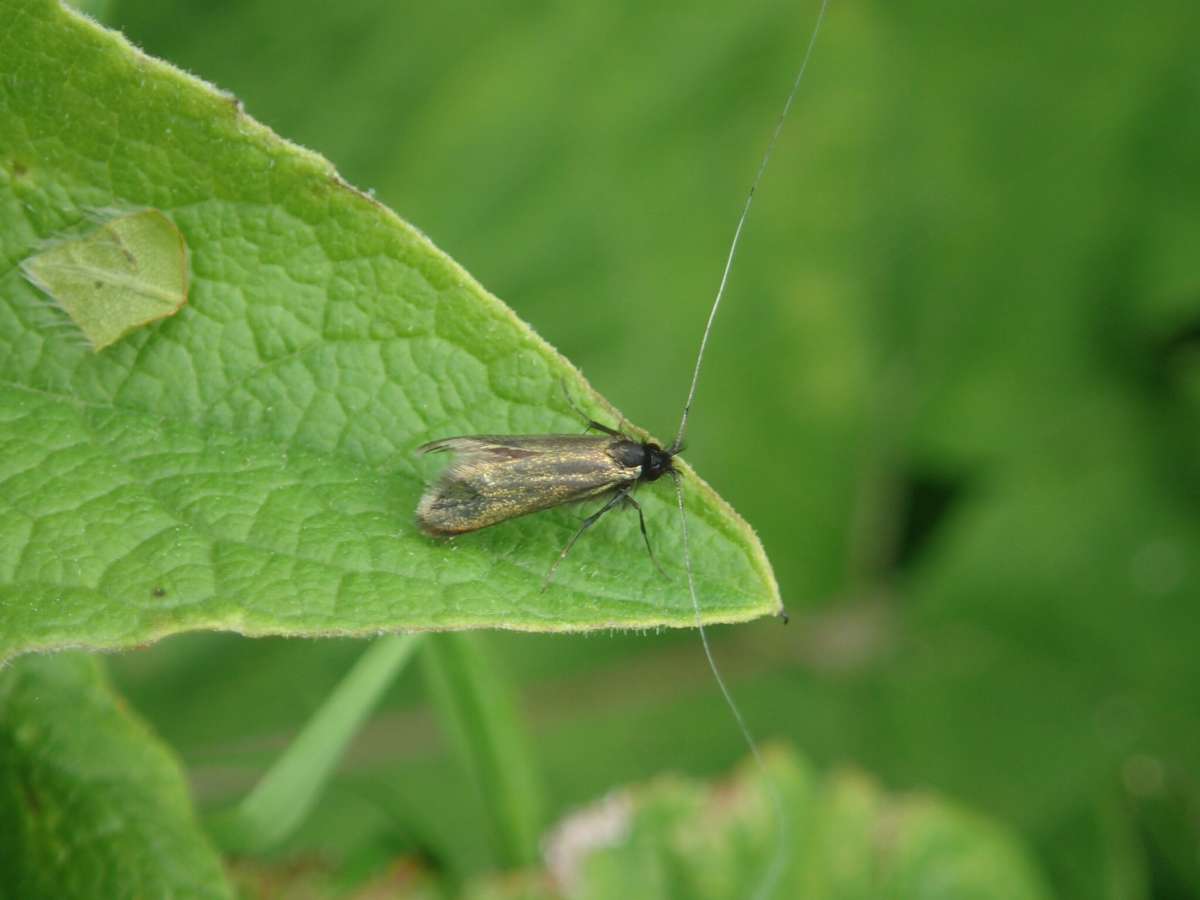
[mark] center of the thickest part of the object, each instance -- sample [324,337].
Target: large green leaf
[248,464]
[91,805]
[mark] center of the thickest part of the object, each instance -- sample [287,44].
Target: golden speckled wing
[498,477]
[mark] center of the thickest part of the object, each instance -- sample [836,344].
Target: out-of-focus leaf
[846,839]
[91,804]
[684,839]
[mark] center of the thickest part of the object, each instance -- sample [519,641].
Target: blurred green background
[956,388]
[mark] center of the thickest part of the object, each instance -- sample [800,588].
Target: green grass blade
[283,797]
[478,710]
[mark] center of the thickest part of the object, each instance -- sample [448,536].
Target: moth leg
[584,526]
[593,425]
[646,537]
[589,424]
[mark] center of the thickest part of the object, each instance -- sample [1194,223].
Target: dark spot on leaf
[427,857]
[159,591]
[33,802]
[97,284]
[1179,344]
[1164,813]
[927,500]
[19,168]
[1170,370]
[1187,335]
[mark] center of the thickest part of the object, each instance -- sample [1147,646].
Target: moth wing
[499,446]
[498,477]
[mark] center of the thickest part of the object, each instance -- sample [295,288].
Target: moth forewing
[499,477]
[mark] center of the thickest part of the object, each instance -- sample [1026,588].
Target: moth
[500,477]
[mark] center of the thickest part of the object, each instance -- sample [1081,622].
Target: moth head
[657,462]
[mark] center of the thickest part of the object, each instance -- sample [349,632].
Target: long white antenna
[677,444]
[779,858]
[770,880]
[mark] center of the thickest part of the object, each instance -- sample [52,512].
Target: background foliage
[956,389]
